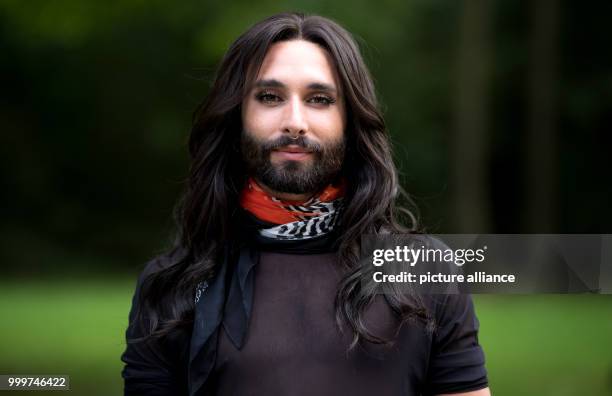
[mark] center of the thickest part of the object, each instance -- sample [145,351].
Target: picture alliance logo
[411,256]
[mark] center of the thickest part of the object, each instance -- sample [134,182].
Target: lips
[292,149]
[295,153]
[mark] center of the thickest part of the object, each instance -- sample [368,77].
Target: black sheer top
[293,346]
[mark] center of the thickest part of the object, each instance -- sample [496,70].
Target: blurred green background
[499,112]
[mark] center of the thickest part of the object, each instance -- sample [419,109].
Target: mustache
[285,140]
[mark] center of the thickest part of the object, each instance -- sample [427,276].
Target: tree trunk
[541,143]
[470,143]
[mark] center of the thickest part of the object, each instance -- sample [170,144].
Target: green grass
[547,344]
[66,327]
[535,345]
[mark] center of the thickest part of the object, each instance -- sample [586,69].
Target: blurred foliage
[97,99]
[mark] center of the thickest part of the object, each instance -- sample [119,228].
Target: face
[294,120]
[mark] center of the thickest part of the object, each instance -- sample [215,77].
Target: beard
[290,176]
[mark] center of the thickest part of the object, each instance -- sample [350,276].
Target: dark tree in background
[542,176]
[469,157]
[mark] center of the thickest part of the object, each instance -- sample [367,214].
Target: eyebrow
[273,83]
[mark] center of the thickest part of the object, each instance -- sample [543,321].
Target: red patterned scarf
[294,219]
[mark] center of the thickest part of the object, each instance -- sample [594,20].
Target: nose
[294,119]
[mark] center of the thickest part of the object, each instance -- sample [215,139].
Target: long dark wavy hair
[206,214]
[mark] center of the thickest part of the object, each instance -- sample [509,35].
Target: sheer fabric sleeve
[457,360]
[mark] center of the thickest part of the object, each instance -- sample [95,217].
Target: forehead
[298,61]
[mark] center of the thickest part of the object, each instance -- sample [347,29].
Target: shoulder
[153,266]
[161,262]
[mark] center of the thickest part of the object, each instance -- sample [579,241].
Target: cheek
[329,125]
[260,122]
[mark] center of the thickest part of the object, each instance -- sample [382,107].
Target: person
[263,295]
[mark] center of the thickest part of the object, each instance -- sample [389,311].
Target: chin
[291,166]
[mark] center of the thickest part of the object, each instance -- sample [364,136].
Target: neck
[285,196]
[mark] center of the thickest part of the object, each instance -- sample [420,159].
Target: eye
[267,97]
[322,100]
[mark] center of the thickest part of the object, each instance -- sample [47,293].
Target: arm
[151,367]
[457,361]
[480,392]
